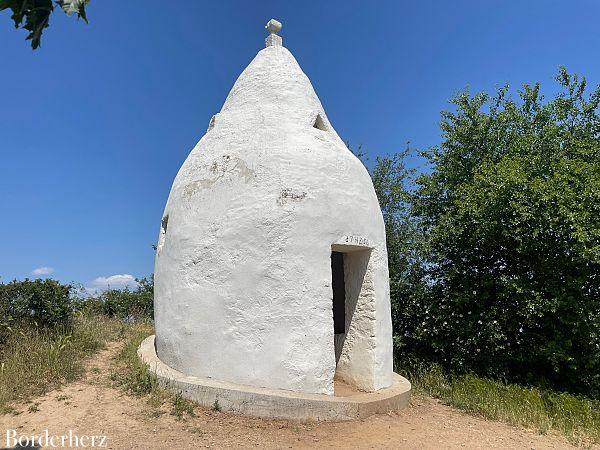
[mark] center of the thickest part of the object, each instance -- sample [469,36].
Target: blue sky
[95,124]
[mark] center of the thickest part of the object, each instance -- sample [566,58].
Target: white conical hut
[271,267]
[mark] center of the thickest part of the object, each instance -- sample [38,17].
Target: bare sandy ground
[93,407]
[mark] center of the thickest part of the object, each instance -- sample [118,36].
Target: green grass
[131,373]
[181,406]
[133,376]
[33,361]
[578,418]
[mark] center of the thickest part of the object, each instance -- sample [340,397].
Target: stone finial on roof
[273,27]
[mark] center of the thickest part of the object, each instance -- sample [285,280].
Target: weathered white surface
[243,271]
[273,40]
[276,402]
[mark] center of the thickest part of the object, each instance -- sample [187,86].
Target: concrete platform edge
[275,403]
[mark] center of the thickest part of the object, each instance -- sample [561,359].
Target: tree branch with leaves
[34,15]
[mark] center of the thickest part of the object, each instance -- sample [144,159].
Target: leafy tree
[392,181]
[510,221]
[34,15]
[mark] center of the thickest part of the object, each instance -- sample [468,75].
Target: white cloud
[112,282]
[42,271]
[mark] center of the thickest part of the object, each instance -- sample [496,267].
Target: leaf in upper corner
[37,18]
[74,6]
[36,14]
[17,7]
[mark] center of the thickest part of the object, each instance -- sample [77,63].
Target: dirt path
[93,407]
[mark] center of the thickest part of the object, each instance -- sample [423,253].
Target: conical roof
[275,91]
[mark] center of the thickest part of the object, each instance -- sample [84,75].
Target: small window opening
[164,223]
[319,123]
[339,292]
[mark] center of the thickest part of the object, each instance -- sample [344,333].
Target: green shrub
[127,304]
[43,303]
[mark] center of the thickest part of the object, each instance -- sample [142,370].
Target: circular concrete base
[275,403]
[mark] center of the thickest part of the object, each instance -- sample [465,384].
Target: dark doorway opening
[339,292]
